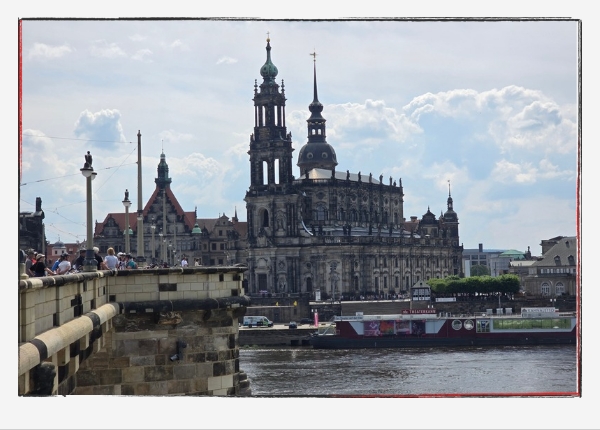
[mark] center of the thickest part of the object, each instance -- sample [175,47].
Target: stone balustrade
[67,332]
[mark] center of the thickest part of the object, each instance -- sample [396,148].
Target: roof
[564,253]
[326,174]
[119,217]
[511,253]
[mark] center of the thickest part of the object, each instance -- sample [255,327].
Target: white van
[255,321]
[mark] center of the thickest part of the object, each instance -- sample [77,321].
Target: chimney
[481,247]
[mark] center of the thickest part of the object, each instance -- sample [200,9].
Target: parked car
[293,324]
[306,321]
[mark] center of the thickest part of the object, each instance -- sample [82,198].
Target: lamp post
[127,204]
[160,240]
[152,228]
[196,233]
[90,264]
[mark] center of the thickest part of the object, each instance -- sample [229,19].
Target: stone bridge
[132,332]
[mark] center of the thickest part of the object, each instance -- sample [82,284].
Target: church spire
[268,71]
[162,178]
[317,153]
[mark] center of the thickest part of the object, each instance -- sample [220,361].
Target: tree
[480,270]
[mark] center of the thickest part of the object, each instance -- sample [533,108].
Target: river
[494,371]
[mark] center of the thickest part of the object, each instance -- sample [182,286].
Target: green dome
[268,71]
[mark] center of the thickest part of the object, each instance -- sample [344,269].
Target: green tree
[480,270]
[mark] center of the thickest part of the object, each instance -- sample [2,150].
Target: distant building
[335,231]
[555,273]
[32,233]
[170,232]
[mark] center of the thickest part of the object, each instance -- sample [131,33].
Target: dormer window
[557,260]
[571,260]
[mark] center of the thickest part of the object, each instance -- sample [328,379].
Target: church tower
[316,153]
[270,144]
[270,201]
[451,220]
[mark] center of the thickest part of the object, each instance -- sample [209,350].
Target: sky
[488,108]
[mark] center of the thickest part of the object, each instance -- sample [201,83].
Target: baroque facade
[331,230]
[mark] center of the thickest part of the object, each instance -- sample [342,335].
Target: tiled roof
[559,254]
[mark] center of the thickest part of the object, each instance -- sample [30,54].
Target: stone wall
[193,352]
[66,325]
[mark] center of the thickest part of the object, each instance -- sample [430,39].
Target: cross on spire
[314,55]
[268,37]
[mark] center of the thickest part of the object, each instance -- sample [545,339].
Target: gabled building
[555,273]
[170,232]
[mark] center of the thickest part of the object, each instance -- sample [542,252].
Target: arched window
[545,290]
[321,213]
[309,286]
[560,289]
[265,218]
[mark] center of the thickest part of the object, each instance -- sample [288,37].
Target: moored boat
[427,328]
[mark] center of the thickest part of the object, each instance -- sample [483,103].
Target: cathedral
[330,230]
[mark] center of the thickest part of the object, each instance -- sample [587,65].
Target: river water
[493,371]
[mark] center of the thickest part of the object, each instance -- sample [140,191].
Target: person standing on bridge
[64,265]
[39,268]
[111,261]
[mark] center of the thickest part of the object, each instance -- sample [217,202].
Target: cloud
[172,136]
[100,127]
[141,55]
[507,172]
[137,37]
[102,48]
[358,124]
[176,45]
[513,118]
[41,50]
[226,60]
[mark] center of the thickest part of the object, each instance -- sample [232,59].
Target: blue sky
[489,106]
[492,106]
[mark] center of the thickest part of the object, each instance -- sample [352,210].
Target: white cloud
[507,172]
[41,50]
[142,54]
[102,48]
[226,60]
[516,118]
[176,45]
[103,126]
[172,136]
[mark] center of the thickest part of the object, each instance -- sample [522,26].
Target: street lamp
[197,233]
[160,240]
[127,204]
[90,264]
[152,228]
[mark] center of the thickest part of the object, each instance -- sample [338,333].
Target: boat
[428,328]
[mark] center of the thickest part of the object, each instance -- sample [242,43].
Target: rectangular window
[214,246]
[222,246]
[220,232]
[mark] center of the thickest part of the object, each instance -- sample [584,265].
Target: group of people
[119,261]
[36,266]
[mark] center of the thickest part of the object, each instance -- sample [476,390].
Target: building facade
[170,232]
[331,230]
[555,274]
